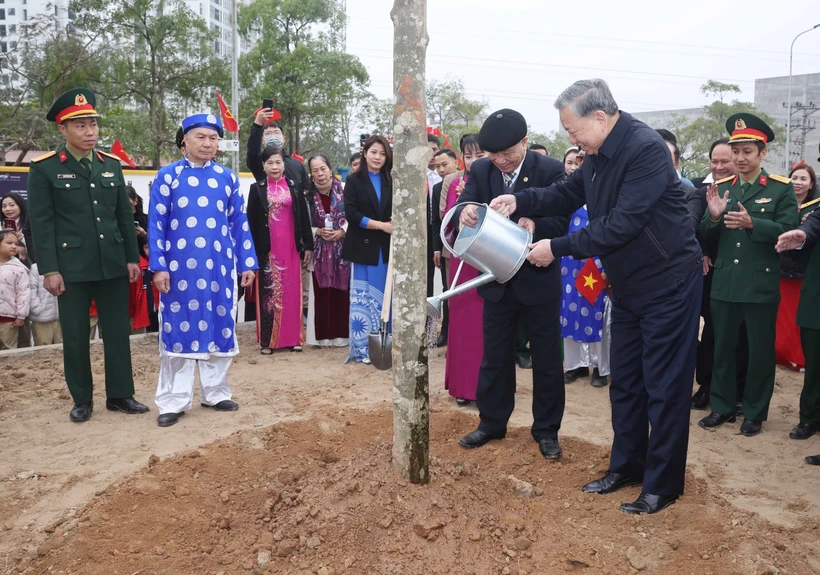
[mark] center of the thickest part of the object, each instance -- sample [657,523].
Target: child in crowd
[44,316]
[24,335]
[15,297]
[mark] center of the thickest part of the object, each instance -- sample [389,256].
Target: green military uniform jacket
[82,222]
[747,267]
[808,311]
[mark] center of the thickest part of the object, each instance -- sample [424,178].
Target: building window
[12,11]
[25,13]
[2,13]
[2,30]
[12,29]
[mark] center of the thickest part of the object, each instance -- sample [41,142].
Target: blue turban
[202,121]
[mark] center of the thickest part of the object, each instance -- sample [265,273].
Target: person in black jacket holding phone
[280,227]
[369,212]
[266,132]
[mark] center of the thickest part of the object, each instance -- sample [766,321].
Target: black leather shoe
[648,503]
[224,405]
[441,341]
[599,380]
[169,419]
[524,362]
[462,402]
[573,374]
[804,430]
[750,428]
[477,438]
[550,448]
[813,460]
[701,398]
[716,420]
[81,412]
[610,483]
[127,405]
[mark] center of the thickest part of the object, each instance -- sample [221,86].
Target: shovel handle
[388,287]
[446,221]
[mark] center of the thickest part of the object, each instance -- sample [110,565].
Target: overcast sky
[655,55]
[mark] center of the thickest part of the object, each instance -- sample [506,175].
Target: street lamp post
[789,117]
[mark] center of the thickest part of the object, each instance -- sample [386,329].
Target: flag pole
[235,81]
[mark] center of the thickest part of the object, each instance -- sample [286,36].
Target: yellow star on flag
[589,281]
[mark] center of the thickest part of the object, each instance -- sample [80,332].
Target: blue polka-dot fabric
[580,321]
[198,232]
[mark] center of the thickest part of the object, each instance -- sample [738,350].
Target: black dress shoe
[550,448]
[168,419]
[750,428]
[524,362]
[610,483]
[441,341]
[224,405]
[81,412]
[804,430]
[462,402]
[127,405]
[701,398]
[648,503]
[813,460]
[716,420]
[573,374]
[477,438]
[598,380]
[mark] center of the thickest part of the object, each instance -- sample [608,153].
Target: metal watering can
[495,246]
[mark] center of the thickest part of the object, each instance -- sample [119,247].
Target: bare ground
[299,481]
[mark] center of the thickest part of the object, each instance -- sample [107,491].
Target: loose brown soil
[300,481]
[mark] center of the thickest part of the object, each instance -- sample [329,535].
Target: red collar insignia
[63,157]
[734,181]
[99,156]
[763,180]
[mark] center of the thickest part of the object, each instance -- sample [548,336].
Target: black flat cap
[501,130]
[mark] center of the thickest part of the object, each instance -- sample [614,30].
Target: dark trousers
[810,397]
[111,297]
[654,343]
[521,342]
[706,346]
[761,322]
[431,274]
[496,378]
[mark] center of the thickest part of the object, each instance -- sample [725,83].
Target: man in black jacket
[266,133]
[532,295]
[640,228]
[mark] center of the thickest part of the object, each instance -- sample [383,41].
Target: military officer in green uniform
[746,215]
[83,230]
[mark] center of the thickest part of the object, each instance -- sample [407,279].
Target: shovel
[380,343]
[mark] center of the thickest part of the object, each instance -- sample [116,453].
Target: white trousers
[578,354]
[175,390]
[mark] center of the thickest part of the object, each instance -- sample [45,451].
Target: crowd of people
[627,256]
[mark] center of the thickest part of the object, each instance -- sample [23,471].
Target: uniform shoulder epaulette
[811,203]
[43,157]
[724,180]
[781,179]
[112,156]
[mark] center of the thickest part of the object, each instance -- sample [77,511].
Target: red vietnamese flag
[228,121]
[590,282]
[120,152]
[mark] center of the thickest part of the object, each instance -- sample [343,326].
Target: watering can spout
[434,303]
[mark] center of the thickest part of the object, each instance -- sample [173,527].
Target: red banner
[228,121]
[120,152]
[590,282]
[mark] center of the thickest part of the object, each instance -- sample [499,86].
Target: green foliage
[165,69]
[695,137]
[556,143]
[293,61]
[452,111]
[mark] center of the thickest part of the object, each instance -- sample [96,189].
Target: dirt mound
[320,497]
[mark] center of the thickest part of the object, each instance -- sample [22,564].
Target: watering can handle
[446,221]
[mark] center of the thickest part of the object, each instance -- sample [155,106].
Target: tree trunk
[411,415]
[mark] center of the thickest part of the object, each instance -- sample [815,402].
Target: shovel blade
[380,349]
